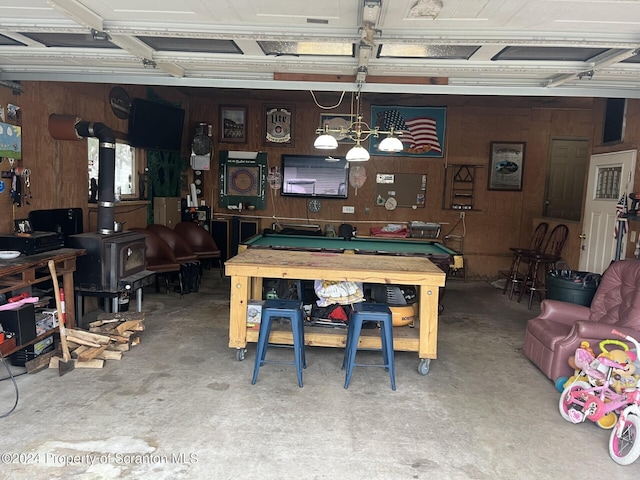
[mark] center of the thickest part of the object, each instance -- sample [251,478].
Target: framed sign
[335,121]
[233,121]
[506,163]
[278,125]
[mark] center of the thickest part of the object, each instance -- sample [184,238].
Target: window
[126,176]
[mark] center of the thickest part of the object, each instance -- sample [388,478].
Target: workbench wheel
[425,364]
[240,354]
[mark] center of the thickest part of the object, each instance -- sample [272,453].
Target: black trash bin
[572,286]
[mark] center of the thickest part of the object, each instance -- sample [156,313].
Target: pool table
[401,262]
[440,255]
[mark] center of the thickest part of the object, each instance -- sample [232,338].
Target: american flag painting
[422,129]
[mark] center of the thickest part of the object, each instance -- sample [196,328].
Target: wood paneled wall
[499,219]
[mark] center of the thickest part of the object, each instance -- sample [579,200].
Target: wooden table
[248,268]
[20,273]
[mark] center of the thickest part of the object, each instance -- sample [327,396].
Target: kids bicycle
[596,400]
[624,445]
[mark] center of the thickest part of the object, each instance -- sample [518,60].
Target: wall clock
[314,205]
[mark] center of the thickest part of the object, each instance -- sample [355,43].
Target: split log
[95,363]
[109,355]
[88,336]
[85,353]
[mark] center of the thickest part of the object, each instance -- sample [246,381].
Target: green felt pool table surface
[368,245]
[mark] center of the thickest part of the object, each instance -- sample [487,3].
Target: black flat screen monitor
[314,176]
[154,125]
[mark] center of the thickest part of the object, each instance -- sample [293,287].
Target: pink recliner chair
[553,336]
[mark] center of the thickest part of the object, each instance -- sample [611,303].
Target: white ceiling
[609,27]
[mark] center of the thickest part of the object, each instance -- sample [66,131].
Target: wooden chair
[514,276]
[200,241]
[539,263]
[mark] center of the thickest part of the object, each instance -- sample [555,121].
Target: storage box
[45,321]
[424,230]
[254,314]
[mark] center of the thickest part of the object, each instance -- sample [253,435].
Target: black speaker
[21,321]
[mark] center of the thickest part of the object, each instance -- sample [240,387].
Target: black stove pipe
[67,127]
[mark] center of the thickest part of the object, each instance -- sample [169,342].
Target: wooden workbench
[28,270]
[249,267]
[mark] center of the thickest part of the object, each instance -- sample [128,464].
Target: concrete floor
[180,406]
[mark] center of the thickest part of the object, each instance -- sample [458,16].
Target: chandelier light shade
[358,154]
[326,142]
[390,144]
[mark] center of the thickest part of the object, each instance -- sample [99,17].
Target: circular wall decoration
[120,102]
[243,181]
[314,205]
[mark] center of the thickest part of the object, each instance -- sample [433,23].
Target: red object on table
[17,298]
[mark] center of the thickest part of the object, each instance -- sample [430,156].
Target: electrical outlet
[348,209]
[462,214]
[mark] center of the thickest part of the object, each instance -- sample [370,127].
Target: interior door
[565,178]
[610,177]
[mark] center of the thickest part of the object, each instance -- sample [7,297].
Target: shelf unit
[459,187]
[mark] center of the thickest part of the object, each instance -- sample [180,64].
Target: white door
[610,177]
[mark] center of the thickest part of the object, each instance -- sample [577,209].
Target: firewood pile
[108,338]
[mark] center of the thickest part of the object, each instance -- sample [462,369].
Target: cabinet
[459,187]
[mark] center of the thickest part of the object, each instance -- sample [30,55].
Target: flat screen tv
[314,176]
[155,125]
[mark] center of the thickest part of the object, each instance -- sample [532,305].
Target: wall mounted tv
[314,176]
[155,125]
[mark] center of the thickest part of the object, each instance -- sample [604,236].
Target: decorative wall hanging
[10,141]
[274,177]
[506,164]
[243,177]
[422,128]
[278,125]
[233,121]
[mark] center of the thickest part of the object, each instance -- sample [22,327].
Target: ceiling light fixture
[358,131]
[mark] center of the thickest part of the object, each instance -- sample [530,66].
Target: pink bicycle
[624,448]
[595,400]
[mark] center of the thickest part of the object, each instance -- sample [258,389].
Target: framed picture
[422,128]
[23,225]
[278,125]
[336,121]
[233,124]
[506,163]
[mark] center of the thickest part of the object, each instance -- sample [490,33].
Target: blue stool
[275,308]
[370,312]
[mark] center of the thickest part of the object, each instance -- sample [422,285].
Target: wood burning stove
[111,260]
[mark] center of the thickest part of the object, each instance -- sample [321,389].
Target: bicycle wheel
[566,399]
[625,449]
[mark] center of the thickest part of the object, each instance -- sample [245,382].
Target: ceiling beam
[79,13]
[310,77]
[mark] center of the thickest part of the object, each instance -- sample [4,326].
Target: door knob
[583,236]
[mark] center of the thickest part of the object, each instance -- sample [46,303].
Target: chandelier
[358,131]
